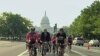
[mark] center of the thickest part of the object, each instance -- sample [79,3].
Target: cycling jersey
[32,37]
[45,36]
[53,40]
[61,37]
[69,39]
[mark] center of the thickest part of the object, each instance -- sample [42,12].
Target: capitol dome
[45,20]
[45,24]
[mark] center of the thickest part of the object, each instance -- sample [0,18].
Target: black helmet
[61,29]
[33,29]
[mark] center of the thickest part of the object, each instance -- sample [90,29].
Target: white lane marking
[22,53]
[65,54]
[79,53]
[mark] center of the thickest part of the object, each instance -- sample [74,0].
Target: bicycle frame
[54,48]
[69,47]
[60,50]
[33,51]
[45,46]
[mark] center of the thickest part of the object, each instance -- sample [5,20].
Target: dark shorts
[62,46]
[61,42]
[30,44]
[70,42]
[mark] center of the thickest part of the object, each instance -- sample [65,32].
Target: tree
[14,24]
[87,23]
[65,29]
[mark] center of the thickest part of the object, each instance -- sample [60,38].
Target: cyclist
[31,38]
[53,41]
[69,42]
[45,37]
[39,43]
[61,40]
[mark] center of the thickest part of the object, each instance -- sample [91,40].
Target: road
[77,51]
[11,48]
[93,51]
[18,49]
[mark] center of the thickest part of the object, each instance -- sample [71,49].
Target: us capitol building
[45,24]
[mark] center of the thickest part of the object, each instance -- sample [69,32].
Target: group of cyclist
[58,40]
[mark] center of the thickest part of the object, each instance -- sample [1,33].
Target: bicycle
[33,50]
[45,48]
[60,50]
[69,47]
[54,49]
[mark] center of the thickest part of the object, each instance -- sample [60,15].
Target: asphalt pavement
[19,49]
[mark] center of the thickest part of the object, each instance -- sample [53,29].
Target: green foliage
[65,29]
[87,23]
[13,25]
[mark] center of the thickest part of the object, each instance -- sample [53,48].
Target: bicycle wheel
[43,52]
[31,52]
[69,48]
[54,49]
[59,53]
[35,52]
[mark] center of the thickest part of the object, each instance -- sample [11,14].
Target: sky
[62,12]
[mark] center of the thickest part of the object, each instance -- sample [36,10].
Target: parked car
[78,41]
[94,42]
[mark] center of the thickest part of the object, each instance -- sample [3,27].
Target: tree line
[13,25]
[87,24]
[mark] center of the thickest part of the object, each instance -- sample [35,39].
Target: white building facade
[45,24]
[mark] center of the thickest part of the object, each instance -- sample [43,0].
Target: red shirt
[53,40]
[32,37]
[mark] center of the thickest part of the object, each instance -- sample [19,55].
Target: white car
[94,43]
[78,41]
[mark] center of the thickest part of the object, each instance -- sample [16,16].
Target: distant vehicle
[94,42]
[78,41]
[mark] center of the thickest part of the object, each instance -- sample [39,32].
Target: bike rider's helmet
[61,29]
[45,30]
[32,29]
